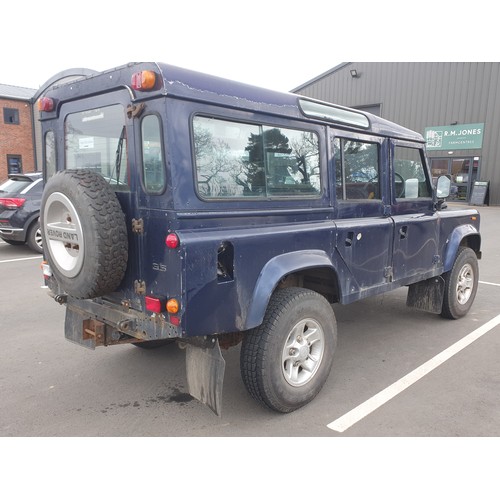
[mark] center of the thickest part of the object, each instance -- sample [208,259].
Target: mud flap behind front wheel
[205,368]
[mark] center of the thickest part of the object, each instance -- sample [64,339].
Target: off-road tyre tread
[256,344]
[107,247]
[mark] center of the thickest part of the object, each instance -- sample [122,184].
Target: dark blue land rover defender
[184,207]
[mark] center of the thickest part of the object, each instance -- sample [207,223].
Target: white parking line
[364,409]
[488,283]
[17,260]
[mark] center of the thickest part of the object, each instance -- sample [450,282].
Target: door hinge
[388,274]
[135,110]
[140,287]
[138,226]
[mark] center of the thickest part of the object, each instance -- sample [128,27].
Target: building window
[11,116]
[14,164]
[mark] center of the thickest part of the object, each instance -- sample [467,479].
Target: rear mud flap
[427,295]
[205,368]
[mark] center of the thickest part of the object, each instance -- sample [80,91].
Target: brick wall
[16,139]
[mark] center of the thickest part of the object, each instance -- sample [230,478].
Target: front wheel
[460,284]
[286,360]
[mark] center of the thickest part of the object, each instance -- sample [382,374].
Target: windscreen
[95,139]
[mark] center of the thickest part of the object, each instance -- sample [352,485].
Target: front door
[415,248]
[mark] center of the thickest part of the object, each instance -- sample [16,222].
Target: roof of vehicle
[188,84]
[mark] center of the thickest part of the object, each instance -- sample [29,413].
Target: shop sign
[467,136]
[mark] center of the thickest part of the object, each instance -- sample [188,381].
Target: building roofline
[8,91]
[319,77]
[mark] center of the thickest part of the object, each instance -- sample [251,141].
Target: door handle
[403,232]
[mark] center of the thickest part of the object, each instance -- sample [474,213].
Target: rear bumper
[91,324]
[12,233]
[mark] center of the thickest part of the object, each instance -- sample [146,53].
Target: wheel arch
[462,236]
[310,269]
[31,220]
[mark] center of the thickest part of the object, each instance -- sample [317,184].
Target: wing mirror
[443,187]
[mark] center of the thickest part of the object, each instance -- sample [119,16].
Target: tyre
[285,361]
[34,238]
[84,233]
[460,284]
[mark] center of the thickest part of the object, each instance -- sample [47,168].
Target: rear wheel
[286,360]
[460,284]
[34,238]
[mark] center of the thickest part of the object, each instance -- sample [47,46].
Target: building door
[462,172]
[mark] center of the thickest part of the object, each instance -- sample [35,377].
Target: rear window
[14,186]
[96,140]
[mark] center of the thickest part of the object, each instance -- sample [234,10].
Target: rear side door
[415,249]
[160,265]
[364,232]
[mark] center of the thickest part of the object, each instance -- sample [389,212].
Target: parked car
[20,198]
[186,207]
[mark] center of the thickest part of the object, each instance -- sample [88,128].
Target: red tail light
[46,104]
[153,304]
[172,240]
[12,203]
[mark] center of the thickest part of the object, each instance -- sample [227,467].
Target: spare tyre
[84,233]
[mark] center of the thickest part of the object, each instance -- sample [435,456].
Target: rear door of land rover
[99,136]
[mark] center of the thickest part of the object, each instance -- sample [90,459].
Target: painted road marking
[488,283]
[364,409]
[17,260]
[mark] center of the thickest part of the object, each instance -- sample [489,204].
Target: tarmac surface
[51,387]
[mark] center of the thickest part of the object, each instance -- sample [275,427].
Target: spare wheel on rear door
[84,233]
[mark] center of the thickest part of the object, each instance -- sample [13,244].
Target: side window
[356,169]
[410,180]
[50,154]
[152,157]
[254,161]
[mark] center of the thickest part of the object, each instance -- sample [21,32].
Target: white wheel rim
[63,234]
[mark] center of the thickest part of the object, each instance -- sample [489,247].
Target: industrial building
[454,105]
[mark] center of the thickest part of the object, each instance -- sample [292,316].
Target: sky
[270,43]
